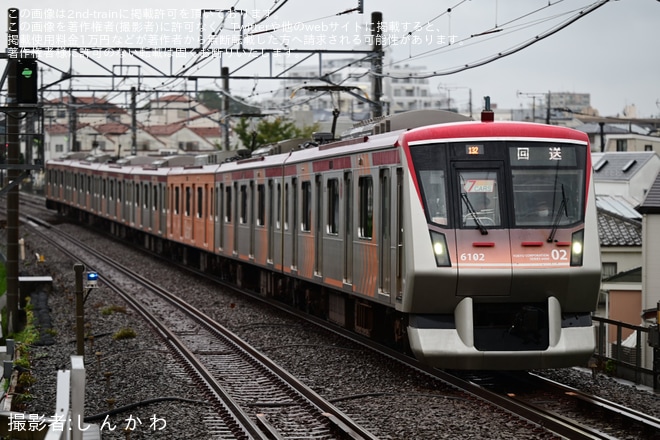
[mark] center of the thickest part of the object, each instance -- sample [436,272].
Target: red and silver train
[472,243]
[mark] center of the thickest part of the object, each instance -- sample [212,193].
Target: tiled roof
[615,230]
[55,129]
[163,130]
[619,165]
[651,203]
[89,104]
[206,132]
[172,98]
[112,128]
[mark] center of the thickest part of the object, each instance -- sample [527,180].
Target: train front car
[504,267]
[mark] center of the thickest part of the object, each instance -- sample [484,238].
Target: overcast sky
[611,53]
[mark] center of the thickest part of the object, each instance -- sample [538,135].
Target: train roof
[499,129]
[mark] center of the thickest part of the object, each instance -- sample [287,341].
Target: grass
[124,333]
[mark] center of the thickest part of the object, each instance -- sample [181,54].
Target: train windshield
[541,184]
[548,183]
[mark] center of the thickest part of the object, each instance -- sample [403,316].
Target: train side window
[200,202]
[333,206]
[278,213]
[155,198]
[228,204]
[365,207]
[244,204]
[211,204]
[112,190]
[177,197]
[261,204]
[188,201]
[286,207]
[306,222]
[433,187]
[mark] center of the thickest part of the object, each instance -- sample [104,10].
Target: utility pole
[225,105]
[534,95]
[547,115]
[73,123]
[13,153]
[133,122]
[377,64]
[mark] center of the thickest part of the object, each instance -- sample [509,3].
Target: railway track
[254,397]
[533,410]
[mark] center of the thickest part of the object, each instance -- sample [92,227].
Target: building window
[648,147]
[608,270]
[621,145]
[59,148]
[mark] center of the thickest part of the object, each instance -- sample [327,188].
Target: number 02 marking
[559,254]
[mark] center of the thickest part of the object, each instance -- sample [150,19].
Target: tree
[269,131]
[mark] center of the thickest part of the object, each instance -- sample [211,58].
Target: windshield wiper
[563,210]
[473,213]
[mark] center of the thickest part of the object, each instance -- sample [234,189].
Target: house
[650,210]
[170,109]
[609,135]
[179,136]
[620,242]
[625,173]
[88,110]
[103,127]
[624,299]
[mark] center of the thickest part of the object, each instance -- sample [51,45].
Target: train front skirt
[533,337]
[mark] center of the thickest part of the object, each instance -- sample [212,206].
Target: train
[471,244]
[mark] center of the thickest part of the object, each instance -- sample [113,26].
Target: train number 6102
[473,257]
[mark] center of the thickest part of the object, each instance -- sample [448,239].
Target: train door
[482,235]
[237,221]
[251,216]
[219,217]
[271,222]
[146,219]
[294,225]
[318,233]
[348,228]
[399,233]
[384,242]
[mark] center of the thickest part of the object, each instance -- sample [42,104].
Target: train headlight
[440,249]
[577,248]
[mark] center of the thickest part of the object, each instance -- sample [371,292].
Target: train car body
[472,244]
[515,258]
